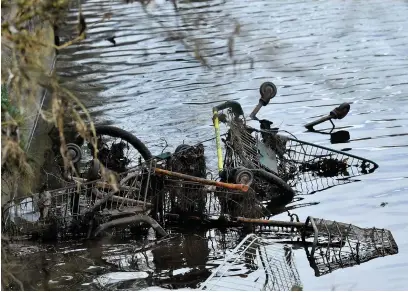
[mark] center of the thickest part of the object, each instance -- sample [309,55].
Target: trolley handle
[233,105]
[338,113]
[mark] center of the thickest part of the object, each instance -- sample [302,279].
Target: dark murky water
[318,53]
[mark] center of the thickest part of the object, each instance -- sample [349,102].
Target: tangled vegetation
[24,47]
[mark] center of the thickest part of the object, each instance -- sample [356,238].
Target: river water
[318,53]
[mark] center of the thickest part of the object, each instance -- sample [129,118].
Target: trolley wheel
[244,176]
[93,170]
[268,91]
[136,143]
[119,150]
[74,152]
[182,148]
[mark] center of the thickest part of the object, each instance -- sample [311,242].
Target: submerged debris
[326,167]
[186,199]
[113,157]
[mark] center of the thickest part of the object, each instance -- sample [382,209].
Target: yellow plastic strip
[218,139]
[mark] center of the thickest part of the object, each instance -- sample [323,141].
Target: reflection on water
[181,261]
[336,137]
[186,259]
[319,54]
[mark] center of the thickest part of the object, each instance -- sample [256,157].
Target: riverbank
[31,131]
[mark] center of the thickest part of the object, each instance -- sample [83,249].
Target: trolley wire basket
[332,245]
[242,146]
[248,159]
[310,168]
[255,264]
[70,211]
[89,208]
[184,187]
[178,199]
[305,166]
[339,245]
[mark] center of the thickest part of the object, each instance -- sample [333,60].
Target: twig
[165,146]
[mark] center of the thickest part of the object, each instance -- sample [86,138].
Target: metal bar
[132,220]
[271,222]
[240,187]
[230,104]
[255,111]
[317,122]
[338,113]
[148,182]
[120,199]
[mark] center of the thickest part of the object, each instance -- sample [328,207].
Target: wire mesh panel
[243,146]
[223,240]
[176,197]
[306,167]
[310,168]
[255,265]
[181,199]
[339,245]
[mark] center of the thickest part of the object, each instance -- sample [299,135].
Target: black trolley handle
[233,105]
[338,113]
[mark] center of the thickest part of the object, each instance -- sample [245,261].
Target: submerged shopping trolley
[276,164]
[272,165]
[256,265]
[141,195]
[82,208]
[269,265]
[330,245]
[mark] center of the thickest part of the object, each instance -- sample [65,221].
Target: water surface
[318,53]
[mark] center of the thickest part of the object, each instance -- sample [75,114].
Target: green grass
[6,106]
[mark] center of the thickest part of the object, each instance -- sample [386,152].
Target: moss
[6,105]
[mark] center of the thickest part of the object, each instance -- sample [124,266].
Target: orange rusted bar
[239,187]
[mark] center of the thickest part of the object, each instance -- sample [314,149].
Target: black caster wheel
[181,148]
[268,91]
[74,152]
[94,170]
[244,176]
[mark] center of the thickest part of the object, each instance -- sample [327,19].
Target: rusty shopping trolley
[86,209]
[82,209]
[277,165]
